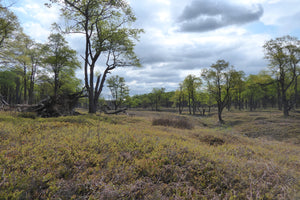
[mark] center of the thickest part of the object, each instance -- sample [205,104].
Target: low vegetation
[122,157]
[181,123]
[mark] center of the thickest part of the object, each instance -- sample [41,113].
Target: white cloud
[36,31]
[36,18]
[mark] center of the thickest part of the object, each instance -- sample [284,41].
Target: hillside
[255,155]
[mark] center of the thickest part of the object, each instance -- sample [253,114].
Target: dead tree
[62,105]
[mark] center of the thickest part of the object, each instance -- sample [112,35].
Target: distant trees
[156,97]
[118,89]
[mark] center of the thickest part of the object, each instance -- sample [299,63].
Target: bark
[221,121]
[296,92]
[25,84]
[285,103]
[18,96]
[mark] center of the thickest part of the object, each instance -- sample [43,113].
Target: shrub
[30,115]
[211,140]
[176,123]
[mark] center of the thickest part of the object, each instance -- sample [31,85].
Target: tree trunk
[31,88]
[221,121]
[285,103]
[279,97]
[18,99]
[25,85]
[92,105]
[190,110]
[296,92]
[55,84]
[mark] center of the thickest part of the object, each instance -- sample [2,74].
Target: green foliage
[283,55]
[62,62]
[8,24]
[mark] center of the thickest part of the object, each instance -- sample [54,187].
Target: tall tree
[105,26]
[36,55]
[119,90]
[60,58]
[220,81]
[20,51]
[283,54]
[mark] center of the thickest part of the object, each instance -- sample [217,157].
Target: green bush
[176,123]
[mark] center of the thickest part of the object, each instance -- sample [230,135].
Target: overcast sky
[184,36]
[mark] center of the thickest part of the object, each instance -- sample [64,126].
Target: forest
[223,134]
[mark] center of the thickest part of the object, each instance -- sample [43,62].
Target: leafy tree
[191,83]
[36,55]
[179,98]
[156,97]
[220,81]
[238,88]
[60,59]
[105,26]
[253,92]
[20,51]
[283,54]
[8,23]
[45,86]
[118,89]
[7,85]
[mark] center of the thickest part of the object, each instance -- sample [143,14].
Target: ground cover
[253,156]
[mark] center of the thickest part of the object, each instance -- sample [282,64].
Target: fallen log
[3,103]
[116,111]
[62,105]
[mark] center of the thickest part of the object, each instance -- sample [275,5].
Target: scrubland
[255,155]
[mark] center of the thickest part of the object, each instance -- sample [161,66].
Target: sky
[183,37]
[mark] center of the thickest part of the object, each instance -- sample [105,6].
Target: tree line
[222,86]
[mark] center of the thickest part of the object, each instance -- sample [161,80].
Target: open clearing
[255,155]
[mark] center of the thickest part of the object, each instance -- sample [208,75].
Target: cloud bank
[207,15]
